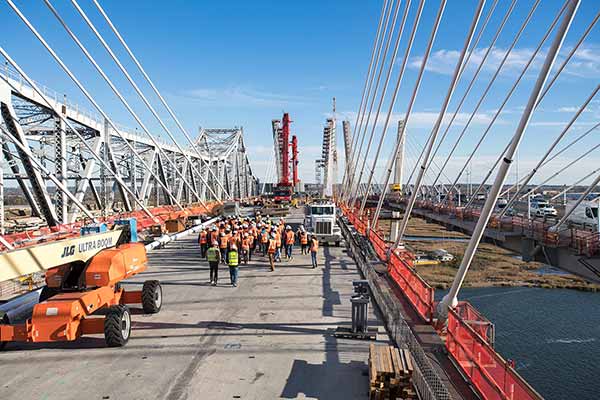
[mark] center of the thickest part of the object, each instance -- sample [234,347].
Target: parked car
[541,208]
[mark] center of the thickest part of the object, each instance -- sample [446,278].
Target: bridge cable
[409,46]
[122,99]
[379,66]
[450,300]
[139,92]
[76,132]
[436,127]
[467,92]
[89,97]
[462,68]
[157,92]
[366,91]
[508,95]
[524,182]
[395,151]
[385,86]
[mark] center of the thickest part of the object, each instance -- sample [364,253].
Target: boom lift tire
[117,326]
[151,297]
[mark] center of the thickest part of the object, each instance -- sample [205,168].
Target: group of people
[236,240]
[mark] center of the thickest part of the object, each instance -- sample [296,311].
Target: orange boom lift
[83,294]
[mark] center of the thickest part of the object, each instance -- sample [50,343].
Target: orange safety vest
[250,240]
[224,240]
[246,244]
[264,238]
[214,237]
[303,238]
[314,245]
[232,240]
[289,237]
[278,239]
[272,246]
[202,237]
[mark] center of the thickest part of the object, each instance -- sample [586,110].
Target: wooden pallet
[390,373]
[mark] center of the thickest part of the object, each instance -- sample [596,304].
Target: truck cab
[320,220]
[584,215]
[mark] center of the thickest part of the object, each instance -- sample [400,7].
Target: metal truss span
[70,163]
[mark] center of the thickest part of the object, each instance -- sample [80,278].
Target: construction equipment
[282,194]
[360,310]
[83,294]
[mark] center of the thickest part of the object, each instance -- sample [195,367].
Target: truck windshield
[321,210]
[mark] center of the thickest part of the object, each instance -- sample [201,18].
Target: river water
[553,335]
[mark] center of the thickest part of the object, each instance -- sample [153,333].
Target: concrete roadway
[269,338]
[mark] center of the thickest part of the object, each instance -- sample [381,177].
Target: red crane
[285,186]
[285,159]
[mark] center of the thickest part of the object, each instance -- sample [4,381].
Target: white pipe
[164,239]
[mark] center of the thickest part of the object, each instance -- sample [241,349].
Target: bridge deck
[268,338]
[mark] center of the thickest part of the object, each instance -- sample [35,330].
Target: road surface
[269,338]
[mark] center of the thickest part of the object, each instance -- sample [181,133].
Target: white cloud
[585,63]
[568,109]
[422,119]
[241,96]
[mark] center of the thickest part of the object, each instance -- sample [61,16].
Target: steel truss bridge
[73,165]
[36,145]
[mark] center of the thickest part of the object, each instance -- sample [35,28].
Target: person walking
[303,240]
[233,265]
[223,241]
[214,235]
[272,249]
[203,241]
[213,255]
[277,245]
[264,241]
[314,248]
[290,238]
[245,248]
[251,245]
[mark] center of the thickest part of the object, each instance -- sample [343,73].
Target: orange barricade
[379,244]
[416,290]
[492,376]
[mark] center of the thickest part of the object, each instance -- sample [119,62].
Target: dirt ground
[492,265]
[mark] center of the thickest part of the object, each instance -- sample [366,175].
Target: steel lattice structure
[38,147]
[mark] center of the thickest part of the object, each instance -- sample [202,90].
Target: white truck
[585,214]
[320,220]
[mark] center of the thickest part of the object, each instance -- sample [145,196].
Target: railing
[581,240]
[470,336]
[416,290]
[144,221]
[492,376]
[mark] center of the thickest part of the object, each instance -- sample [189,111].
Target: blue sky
[244,63]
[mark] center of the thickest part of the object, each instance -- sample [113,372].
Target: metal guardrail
[426,379]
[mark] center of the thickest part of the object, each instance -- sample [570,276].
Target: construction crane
[83,292]
[282,194]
